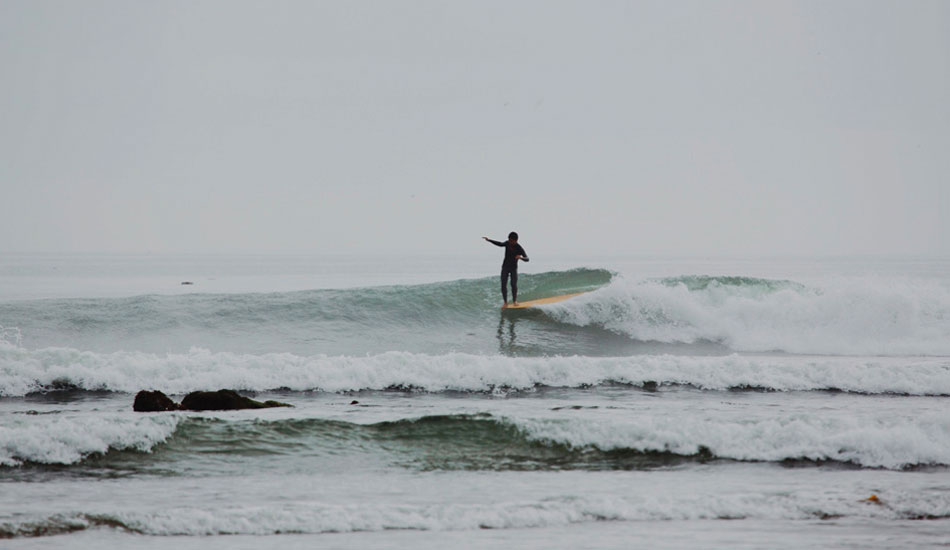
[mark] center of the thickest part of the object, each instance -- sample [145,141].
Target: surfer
[513,253]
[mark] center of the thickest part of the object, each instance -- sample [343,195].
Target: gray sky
[357,126]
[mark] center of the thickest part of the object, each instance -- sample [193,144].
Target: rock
[153,401]
[223,400]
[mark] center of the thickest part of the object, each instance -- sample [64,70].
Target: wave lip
[25,371]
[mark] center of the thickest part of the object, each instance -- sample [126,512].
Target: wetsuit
[510,268]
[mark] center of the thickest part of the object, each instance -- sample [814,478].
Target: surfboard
[542,301]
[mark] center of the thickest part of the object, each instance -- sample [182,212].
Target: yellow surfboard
[542,301]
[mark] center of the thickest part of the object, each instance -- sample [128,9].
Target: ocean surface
[679,403]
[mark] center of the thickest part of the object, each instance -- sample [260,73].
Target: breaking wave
[316,518]
[837,317]
[858,316]
[24,371]
[573,439]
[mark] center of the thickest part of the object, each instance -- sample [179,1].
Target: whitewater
[803,400]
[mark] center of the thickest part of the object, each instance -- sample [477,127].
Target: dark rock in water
[187,283]
[153,401]
[354,402]
[223,400]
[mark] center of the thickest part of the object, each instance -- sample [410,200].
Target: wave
[317,518]
[69,439]
[414,317]
[856,316]
[406,303]
[587,440]
[836,317]
[24,371]
[873,441]
[657,440]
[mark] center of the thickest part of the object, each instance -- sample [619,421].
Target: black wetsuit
[510,268]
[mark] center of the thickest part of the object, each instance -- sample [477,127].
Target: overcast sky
[720,128]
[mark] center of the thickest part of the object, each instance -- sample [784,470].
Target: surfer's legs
[514,285]
[505,273]
[504,284]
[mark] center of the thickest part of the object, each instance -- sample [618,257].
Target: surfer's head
[513,236]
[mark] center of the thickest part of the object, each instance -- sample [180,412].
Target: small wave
[655,440]
[484,441]
[70,438]
[24,371]
[759,315]
[872,442]
[317,518]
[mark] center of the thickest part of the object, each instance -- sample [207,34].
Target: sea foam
[23,371]
[841,316]
[881,440]
[315,518]
[67,438]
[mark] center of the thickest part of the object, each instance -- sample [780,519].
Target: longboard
[542,301]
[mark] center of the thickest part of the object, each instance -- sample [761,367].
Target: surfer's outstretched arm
[496,243]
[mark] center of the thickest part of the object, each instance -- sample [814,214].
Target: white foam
[67,438]
[843,316]
[23,371]
[313,518]
[881,440]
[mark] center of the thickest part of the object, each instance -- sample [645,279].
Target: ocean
[677,403]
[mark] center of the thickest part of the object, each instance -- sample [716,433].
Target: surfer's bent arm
[496,243]
[522,254]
